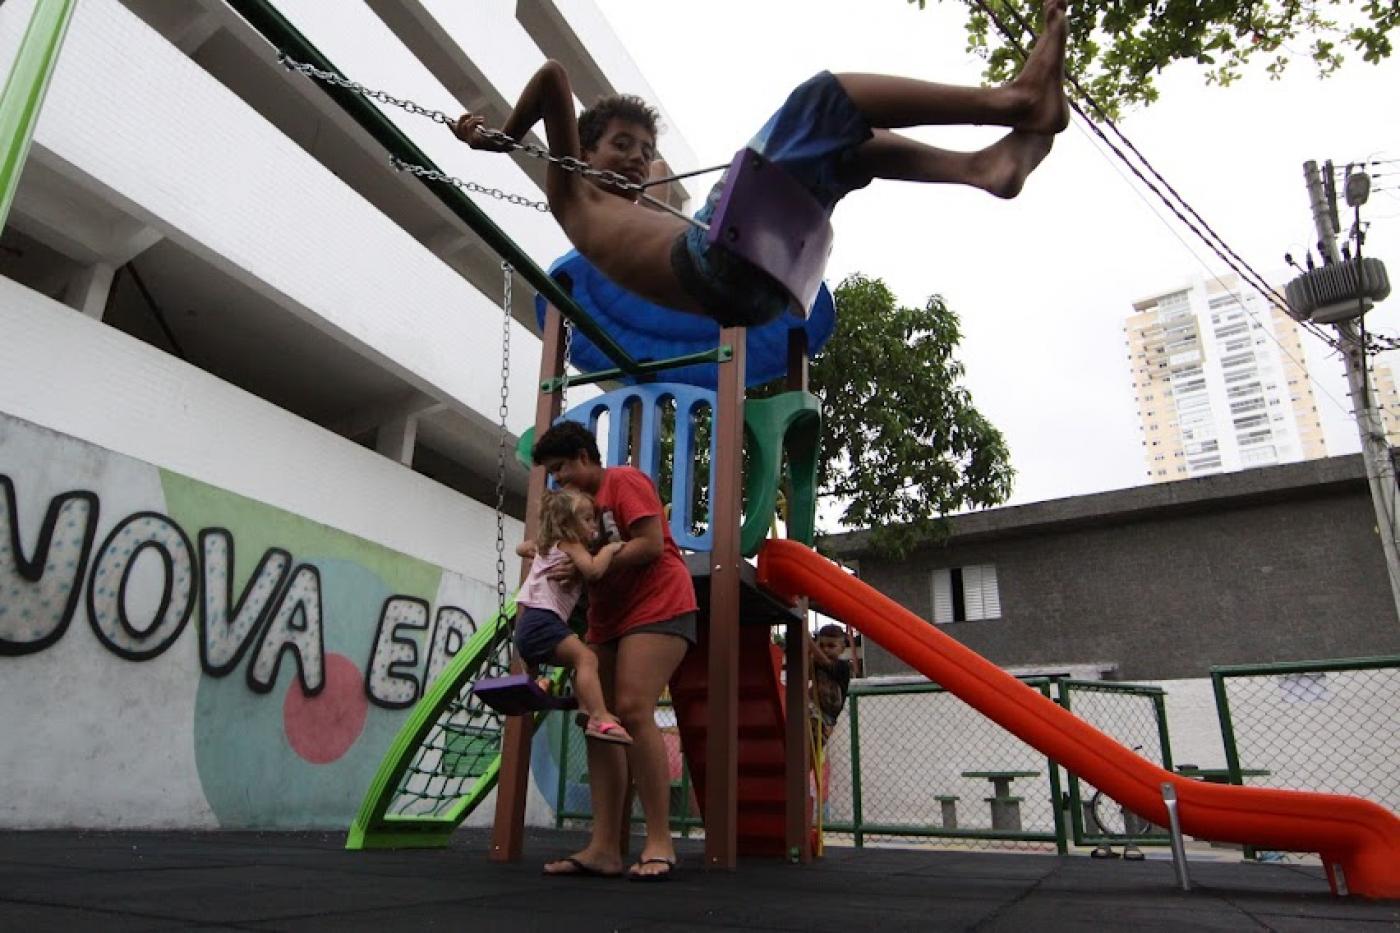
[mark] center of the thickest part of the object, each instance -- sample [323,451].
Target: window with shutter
[967,593]
[942,596]
[972,592]
[991,596]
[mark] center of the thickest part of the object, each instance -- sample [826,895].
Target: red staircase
[762,757]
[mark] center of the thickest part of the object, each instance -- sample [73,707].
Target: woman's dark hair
[566,439]
[629,107]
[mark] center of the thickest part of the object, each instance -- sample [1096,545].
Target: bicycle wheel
[1110,817]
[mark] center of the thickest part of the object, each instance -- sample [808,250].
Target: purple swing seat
[768,218]
[515,694]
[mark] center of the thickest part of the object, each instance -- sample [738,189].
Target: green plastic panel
[469,755]
[24,91]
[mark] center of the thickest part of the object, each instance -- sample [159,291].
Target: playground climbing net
[464,741]
[460,747]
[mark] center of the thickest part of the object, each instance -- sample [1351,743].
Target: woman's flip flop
[578,869]
[635,875]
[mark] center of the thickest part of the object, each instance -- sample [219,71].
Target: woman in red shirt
[641,622]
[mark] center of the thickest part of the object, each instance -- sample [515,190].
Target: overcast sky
[1042,283]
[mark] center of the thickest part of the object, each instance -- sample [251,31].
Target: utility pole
[1380,468]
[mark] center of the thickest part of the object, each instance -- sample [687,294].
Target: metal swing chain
[509,272]
[434,175]
[564,376]
[567,163]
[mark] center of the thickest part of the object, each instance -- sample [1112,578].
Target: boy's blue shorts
[537,633]
[813,136]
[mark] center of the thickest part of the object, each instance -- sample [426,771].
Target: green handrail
[1306,667]
[861,830]
[286,38]
[720,354]
[1112,686]
[24,91]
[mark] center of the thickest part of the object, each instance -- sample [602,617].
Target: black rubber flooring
[128,881]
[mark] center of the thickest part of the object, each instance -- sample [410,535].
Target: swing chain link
[567,163]
[509,273]
[497,193]
[564,376]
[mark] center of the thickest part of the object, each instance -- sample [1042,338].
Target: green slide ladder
[446,757]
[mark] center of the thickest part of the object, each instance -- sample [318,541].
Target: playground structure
[750,761]
[763,744]
[1359,843]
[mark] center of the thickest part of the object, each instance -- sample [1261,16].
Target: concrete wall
[1163,582]
[173,654]
[109,725]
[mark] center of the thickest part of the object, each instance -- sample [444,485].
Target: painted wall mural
[263,657]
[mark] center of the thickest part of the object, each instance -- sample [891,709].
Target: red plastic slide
[1358,840]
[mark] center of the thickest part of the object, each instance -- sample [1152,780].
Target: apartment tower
[1387,399]
[1220,380]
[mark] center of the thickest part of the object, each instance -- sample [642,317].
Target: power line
[1204,265]
[1250,277]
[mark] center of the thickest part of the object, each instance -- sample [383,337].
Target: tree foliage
[1118,47]
[902,443]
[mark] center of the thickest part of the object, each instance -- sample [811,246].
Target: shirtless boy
[833,135]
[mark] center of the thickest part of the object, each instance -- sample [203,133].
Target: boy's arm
[590,566]
[547,96]
[818,656]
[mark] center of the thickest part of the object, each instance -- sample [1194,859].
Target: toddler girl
[568,520]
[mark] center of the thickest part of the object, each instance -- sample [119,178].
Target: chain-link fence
[912,765]
[918,766]
[1135,717]
[1330,726]
[572,801]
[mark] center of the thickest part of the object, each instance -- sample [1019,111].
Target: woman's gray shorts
[683,625]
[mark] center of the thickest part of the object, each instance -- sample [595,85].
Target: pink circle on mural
[322,728]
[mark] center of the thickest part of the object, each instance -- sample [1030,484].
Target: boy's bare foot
[1003,166]
[1043,75]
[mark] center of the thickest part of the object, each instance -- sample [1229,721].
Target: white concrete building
[239,343]
[1387,398]
[1221,382]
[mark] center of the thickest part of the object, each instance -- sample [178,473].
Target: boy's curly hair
[629,107]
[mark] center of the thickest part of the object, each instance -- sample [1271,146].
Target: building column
[396,438]
[89,289]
